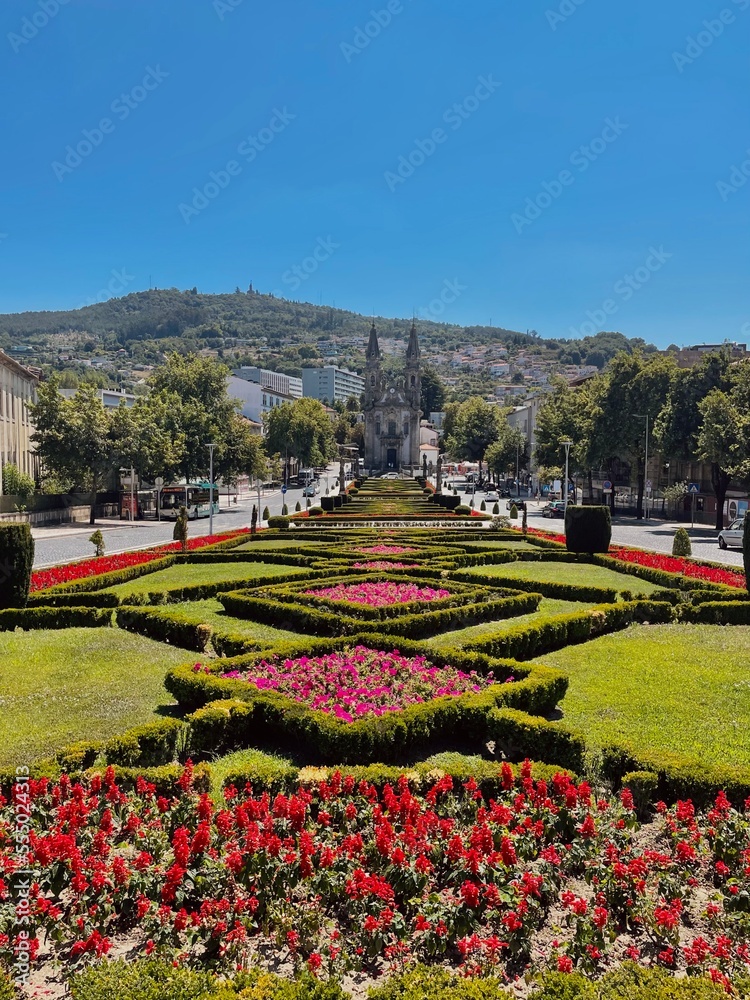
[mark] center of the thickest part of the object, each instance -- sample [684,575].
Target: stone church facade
[392,410]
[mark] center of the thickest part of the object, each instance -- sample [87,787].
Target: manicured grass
[547,606]
[677,688]
[210,612]
[560,572]
[57,687]
[184,576]
[499,544]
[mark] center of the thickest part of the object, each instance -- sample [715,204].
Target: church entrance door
[390,459]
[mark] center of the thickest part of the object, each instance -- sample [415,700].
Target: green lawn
[210,612]
[184,576]
[560,572]
[681,688]
[499,544]
[62,686]
[547,606]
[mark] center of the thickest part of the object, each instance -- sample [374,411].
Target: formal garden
[383,750]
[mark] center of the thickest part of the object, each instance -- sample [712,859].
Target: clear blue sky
[186,87]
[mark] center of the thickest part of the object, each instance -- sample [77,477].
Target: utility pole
[211,489]
[567,446]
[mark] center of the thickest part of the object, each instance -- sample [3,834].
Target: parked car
[389,475]
[554,509]
[492,497]
[731,537]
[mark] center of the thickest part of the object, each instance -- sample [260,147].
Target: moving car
[519,504]
[310,491]
[389,475]
[731,537]
[554,509]
[492,497]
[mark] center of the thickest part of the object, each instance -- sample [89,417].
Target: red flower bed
[107,564]
[343,876]
[676,564]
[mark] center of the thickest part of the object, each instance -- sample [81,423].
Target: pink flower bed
[387,550]
[358,681]
[378,594]
[381,564]
[107,564]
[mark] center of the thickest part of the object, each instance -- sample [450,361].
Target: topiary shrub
[180,533]
[483,506]
[266,513]
[278,521]
[315,511]
[496,509]
[298,507]
[525,522]
[462,510]
[16,561]
[284,510]
[681,546]
[643,786]
[514,512]
[587,529]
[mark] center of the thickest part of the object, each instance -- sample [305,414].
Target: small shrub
[266,513]
[17,483]
[97,540]
[462,510]
[483,506]
[587,529]
[514,512]
[496,509]
[284,510]
[681,546]
[279,521]
[180,533]
[16,561]
[643,786]
[315,511]
[297,507]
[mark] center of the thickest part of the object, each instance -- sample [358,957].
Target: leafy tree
[679,425]
[509,446]
[180,533]
[475,426]
[240,452]
[565,415]
[73,437]
[16,483]
[301,429]
[433,391]
[632,387]
[724,437]
[144,439]
[198,410]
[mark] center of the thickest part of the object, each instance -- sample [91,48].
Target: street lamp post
[567,445]
[645,464]
[211,489]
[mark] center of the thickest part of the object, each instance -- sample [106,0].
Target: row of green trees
[80,443]
[480,432]
[695,414]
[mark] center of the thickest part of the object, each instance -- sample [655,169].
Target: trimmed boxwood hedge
[16,562]
[65,617]
[518,734]
[672,581]
[587,529]
[524,642]
[320,621]
[173,627]
[242,715]
[547,588]
[718,613]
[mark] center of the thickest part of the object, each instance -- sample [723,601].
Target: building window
[372,380]
[391,428]
[377,428]
[413,381]
[406,428]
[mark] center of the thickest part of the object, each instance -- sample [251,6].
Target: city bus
[196,497]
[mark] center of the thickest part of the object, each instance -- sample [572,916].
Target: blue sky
[542,164]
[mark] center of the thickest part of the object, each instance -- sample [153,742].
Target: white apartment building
[111,398]
[286,385]
[332,384]
[17,390]
[254,399]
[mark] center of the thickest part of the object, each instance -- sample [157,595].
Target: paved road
[65,543]
[655,535]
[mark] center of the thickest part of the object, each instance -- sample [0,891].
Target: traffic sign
[693,488]
[648,484]
[283,489]
[607,485]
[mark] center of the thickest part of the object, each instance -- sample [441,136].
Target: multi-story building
[688,357]
[111,398]
[287,385]
[254,399]
[17,390]
[332,384]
